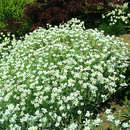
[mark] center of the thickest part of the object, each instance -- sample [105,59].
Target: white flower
[110,24]
[110,117]
[10,107]
[33,128]
[117,122]
[68,107]
[86,122]
[125,5]
[97,122]
[87,114]
[44,110]
[108,111]
[103,16]
[79,112]
[1,120]
[59,118]
[12,128]
[125,125]
[86,128]
[61,108]
[57,124]
[63,114]
[73,126]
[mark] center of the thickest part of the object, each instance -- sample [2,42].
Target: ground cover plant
[58,75]
[6,43]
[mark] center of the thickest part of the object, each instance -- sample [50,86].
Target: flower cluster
[55,75]
[90,124]
[117,15]
[6,43]
[117,123]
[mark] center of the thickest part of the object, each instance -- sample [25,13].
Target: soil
[126,38]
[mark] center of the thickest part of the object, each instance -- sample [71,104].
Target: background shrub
[12,9]
[16,19]
[58,74]
[116,21]
[11,16]
[116,29]
[14,26]
[58,11]
[52,12]
[93,10]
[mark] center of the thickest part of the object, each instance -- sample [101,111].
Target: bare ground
[126,38]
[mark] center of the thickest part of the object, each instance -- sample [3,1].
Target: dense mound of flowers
[58,74]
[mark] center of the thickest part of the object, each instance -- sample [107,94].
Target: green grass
[12,8]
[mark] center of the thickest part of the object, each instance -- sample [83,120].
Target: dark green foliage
[19,20]
[116,29]
[15,26]
[116,21]
[128,76]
